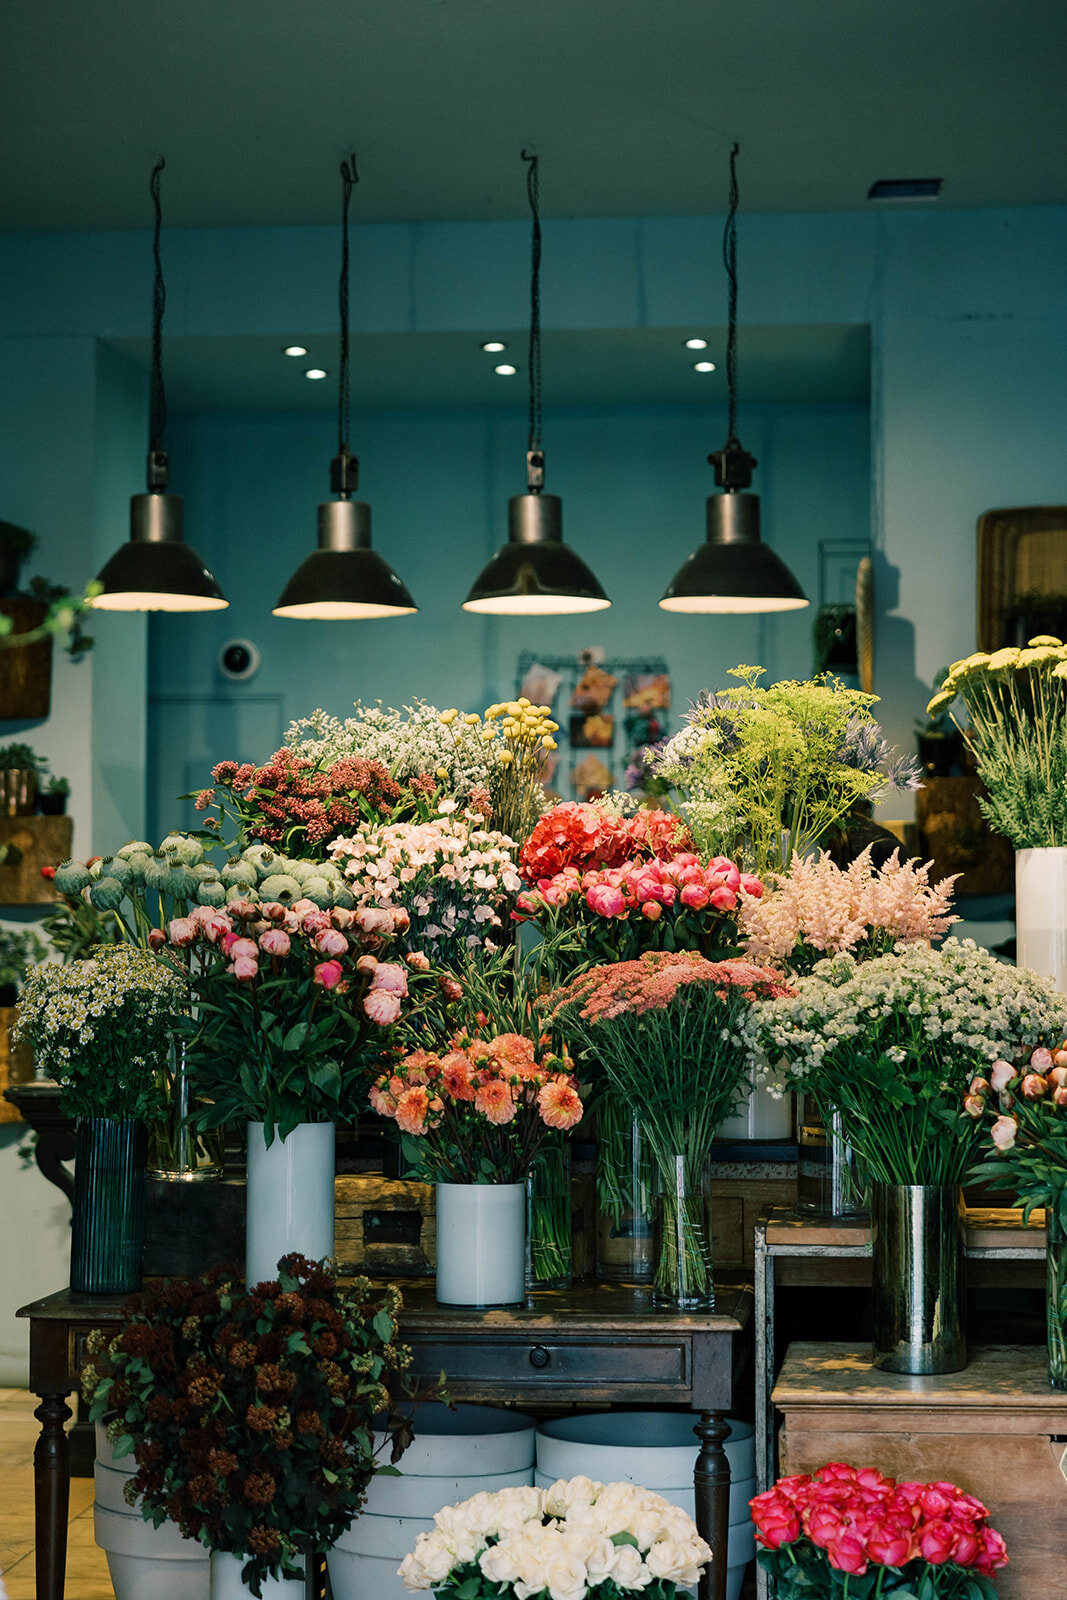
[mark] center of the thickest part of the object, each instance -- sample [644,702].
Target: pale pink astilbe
[819,906]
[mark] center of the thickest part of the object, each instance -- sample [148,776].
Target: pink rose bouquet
[289,1006]
[480,1111]
[817,1534]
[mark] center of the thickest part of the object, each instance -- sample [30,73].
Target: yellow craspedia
[472,719]
[505,758]
[523,702]
[494,711]
[1044,638]
[448,717]
[488,735]
[549,744]
[513,708]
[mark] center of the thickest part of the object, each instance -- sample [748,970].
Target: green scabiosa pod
[71,877]
[239,875]
[279,886]
[106,894]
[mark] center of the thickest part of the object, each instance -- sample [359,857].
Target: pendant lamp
[535,573]
[156,570]
[344,580]
[732,570]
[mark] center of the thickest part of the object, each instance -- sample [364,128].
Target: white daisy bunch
[102,1028]
[409,741]
[453,876]
[577,1540]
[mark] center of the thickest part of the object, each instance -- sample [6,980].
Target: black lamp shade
[732,570]
[156,570]
[344,579]
[535,573]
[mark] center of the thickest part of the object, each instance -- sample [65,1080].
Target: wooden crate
[737,1204]
[16,1065]
[996,1429]
[39,842]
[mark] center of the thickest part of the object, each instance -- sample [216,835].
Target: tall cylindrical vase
[107,1231]
[1041,912]
[625,1185]
[548,1218]
[681,1237]
[289,1200]
[1056,1309]
[917,1277]
[227,1583]
[177,1152]
[481,1244]
[831,1180]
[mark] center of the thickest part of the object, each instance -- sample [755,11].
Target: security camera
[239,659]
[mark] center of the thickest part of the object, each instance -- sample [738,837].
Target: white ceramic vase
[289,1199]
[227,1584]
[1041,912]
[481,1244]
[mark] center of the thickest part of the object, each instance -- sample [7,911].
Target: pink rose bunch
[482,1105]
[580,834]
[854,1518]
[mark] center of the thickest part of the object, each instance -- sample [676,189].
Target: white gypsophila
[958,1001]
[408,741]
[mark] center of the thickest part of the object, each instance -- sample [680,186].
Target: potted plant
[52,799]
[249,1414]
[18,952]
[851,1531]
[102,1027]
[15,545]
[666,1031]
[285,1005]
[891,1044]
[475,1118]
[939,741]
[1022,1106]
[585,1540]
[833,637]
[20,770]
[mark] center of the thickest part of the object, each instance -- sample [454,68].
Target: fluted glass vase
[107,1230]
[1056,1258]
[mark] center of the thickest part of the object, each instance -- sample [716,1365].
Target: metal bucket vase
[290,1199]
[917,1275]
[1041,912]
[227,1584]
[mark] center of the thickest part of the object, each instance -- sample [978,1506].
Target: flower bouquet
[668,1032]
[849,1533]
[577,1540]
[451,874]
[249,1415]
[771,770]
[1022,1111]
[476,1120]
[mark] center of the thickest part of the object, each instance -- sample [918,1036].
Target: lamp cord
[157,404]
[532,193]
[349,177]
[729,257]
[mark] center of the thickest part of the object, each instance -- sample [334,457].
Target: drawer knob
[539,1356]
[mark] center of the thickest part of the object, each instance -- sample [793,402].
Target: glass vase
[917,1278]
[831,1179]
[548,1219]
[1056,1309]
[625,1184]
[681,1235]
[177,1152]
[107,1230]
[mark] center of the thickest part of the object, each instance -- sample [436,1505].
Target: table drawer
[554,1362]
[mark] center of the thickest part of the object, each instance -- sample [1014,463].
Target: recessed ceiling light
[703,366]
[905,189]
[315,372]
[695,344]
[493,347]
[294,350]
[506,370]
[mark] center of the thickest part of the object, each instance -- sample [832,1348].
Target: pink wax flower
[390,977]
[330,942]
[181,931]
[328,974]
[381,1005]
[275,942]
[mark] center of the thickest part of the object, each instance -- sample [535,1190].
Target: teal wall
[633,484]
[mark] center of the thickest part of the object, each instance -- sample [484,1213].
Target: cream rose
[678,1561]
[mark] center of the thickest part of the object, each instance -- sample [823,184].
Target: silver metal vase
[917,1247]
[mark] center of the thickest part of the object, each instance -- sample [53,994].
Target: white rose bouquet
[578,1540]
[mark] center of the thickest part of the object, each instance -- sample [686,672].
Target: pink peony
[343,918]
[1003,1133]
[181,931]
[243,950]
[751,886]
[389,976]
[328,974]
[329,942]
[373,920]
[696,896]
[606,901]
[381,1005]
[156,939]
[1042,1059]
[244,968]
[275,942]
[213,924]
[1000,1075]
[723,898]
[418,962]
[273,910]
[1033,1086]
[366,963]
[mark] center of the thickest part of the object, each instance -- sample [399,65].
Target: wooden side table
[996,1429]
[589,1345]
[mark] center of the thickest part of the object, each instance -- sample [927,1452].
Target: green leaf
[123,1446]
[326,1075]
[296,1037]
[383,1326]
[623,1538]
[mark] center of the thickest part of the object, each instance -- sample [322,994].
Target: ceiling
[822,365]
[631,103]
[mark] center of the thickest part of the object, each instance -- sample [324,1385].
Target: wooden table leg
[711,1481]
[51,1491]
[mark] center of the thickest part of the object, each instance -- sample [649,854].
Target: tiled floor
[87,1575]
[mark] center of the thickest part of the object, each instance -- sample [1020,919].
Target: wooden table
[589,1345]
